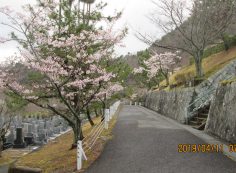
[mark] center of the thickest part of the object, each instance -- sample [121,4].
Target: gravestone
[30,128]
[50,132]
[25,128]
[61,128]
[29,140]
[64,126]
[41,126]
[11,137]
[19,143]
[42,136]
[56,130]
[18,121]
[35,128]
[48,127]
[28,133]
[56,121]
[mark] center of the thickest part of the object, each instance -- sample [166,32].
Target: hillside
[172,38]
[211,65]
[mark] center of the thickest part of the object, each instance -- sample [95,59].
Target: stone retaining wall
[221,121]
[171,104]
[222,117]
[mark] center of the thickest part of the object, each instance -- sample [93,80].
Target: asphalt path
[145,142]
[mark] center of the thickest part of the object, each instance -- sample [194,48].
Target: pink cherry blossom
[159,63]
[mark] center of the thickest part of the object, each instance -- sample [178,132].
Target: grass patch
[226,82]
[210,65]
[5,160]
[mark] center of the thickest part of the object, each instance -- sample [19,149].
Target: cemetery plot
[57,154]
[34,131]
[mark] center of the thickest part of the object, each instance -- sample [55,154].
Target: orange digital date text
[200,148]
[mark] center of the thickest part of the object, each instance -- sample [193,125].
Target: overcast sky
[134,16]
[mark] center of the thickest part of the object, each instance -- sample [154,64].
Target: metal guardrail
[206,98]
[89,141]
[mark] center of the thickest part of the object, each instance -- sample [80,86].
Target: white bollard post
[106,118]
[135,103]
[110,116]
[80,155]
[111,111]
[130,103]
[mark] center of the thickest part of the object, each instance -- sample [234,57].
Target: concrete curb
[200,134]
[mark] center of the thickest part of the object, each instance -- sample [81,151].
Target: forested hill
[132,59]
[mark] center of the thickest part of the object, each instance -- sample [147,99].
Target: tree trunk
[103,110]
[76,137]
[166,75]
[225,40]
[167,79]
[157,82]
[96,112]
[101,113]
[81,136]
[89,116]
[198,64]
[78,133]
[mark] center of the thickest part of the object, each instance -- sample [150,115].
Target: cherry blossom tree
[103,96]
[67,52]
[113,91]
[106,93]
[162,63]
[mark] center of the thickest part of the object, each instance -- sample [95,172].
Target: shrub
[183,78]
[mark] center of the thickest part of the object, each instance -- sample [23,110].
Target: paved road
[4,169]
[147,143]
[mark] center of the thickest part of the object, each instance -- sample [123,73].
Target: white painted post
[109,114]
[130,103]
[111,111]
[135,103]
[80,155]
[106,118]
